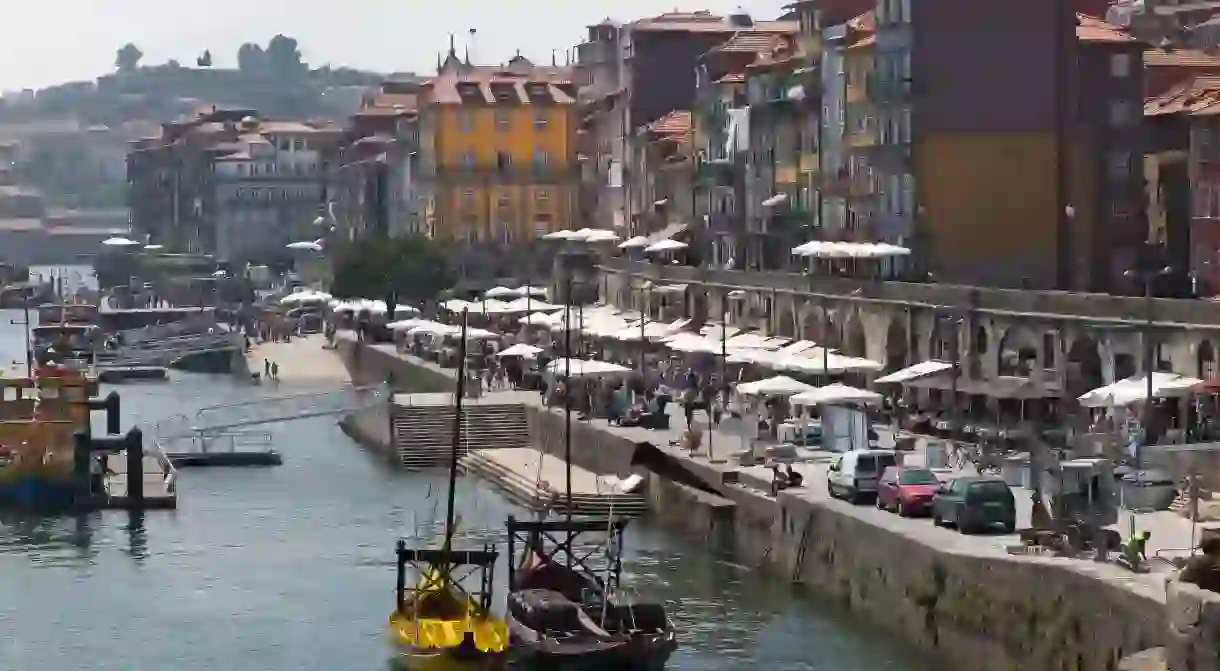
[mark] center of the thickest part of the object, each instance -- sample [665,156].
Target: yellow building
[497,150]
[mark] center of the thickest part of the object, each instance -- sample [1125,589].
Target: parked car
[853,475]
[975,503]
[907,490]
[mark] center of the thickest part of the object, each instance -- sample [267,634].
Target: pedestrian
[275,371]
[266,368]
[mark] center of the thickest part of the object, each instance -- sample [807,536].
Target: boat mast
[453,456]
[567,406]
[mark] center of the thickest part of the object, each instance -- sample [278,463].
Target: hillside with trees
[272,79]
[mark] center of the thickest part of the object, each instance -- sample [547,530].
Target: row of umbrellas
[849,250]
[492,306]
[799,393]
[594,235]
[414,327]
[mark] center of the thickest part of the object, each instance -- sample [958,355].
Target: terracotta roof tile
[732,78]
[1182,58]
[750,41]
[866,22]
[863,43]
[1194,96]
[1093,29]
[706,22]
[676,122]
[554,83]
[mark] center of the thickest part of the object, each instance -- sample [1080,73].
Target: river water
[291,568]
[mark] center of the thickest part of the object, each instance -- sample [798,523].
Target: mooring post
[111,405]
[82,452]
[135,466]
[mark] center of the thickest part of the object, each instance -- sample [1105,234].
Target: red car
[907,490]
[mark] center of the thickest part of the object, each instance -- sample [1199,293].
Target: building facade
[498,152]
[229,183]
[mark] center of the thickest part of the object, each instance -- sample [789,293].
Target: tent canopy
[521,350]
[834,394]
[1135,389]
[585,368]
[780,385]
[912,373]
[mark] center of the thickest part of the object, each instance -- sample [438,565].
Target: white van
[854,475]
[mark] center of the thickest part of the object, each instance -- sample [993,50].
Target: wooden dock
[537,481]
[160,488]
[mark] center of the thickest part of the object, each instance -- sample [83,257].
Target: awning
[834,394]
[777,199]
[1135,389]
[912,373]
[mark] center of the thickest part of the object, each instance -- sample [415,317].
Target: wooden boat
[439,623]
[565,613]
[562,614]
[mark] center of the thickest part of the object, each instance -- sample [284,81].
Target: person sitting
[794,477]
[779,481]
[1204,569]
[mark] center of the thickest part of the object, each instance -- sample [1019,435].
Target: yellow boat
[441,617]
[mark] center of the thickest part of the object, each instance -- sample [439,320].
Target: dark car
[907,490]
[974,504]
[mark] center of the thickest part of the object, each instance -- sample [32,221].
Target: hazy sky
[51,41]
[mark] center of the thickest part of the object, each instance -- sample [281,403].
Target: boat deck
[159,492]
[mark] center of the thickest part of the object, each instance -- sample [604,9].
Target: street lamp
[1147,277]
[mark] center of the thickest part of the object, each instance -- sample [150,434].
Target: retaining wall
[975,612]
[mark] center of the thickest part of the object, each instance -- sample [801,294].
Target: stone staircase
[423,434]
[528,493]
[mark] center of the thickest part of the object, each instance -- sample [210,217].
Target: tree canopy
[127,59]
[409,268]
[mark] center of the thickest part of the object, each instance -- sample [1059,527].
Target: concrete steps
[526,490]
[423,435]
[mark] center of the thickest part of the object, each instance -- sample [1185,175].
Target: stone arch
[1084,369]
[855,339]
[896,345]
[1205,358]
[1017,352]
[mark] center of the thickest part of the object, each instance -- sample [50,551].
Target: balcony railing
[862,139]
[887,88]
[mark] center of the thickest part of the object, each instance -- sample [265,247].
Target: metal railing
[215,419]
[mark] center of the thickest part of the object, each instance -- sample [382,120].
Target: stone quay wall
[974,610]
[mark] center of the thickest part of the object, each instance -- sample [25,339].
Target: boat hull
[640,652]
[37,493]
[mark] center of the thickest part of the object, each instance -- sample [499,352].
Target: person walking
[275,371]
[266,368]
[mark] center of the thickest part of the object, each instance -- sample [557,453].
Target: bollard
[82,445]
[111,405]
[134,442]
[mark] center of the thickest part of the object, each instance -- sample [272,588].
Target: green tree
[411,269]
[284,58]
[251,58]
[127,59]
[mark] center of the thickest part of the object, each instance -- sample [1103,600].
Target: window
[468,159]
[1120,113]
[1120,165]
[540,120]
[466,121]
[541,158]
[1120,65]
[505,202]
[543,196]
[504,120]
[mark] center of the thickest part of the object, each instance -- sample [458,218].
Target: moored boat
[440,623]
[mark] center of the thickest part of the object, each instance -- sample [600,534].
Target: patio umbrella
[665,246]
[637,242]
[527,290]
[120,242]
[304,245]
[780,385]
[499,292]
[521,350]
[560,235]
[835,393]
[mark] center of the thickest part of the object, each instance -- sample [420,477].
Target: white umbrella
[560,235]
[834,394]
[499,292]
[634,243]
[305,297]
[120,242]
[153,248]
[219,273]
[665,246]
[304,245]
[433,328]
[407,324]
[477,334]
[405,310]
[521,350]
[457,305]
[531,291]
[527,304]
[780,385]
[538,319]
[693,344]
[583,368]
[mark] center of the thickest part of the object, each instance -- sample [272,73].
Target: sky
[54,41]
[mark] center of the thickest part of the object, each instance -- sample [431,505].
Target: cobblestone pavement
[303,361]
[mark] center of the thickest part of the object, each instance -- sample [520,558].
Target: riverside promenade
[964,598]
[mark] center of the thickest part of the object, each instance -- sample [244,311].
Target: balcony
[862,140]
[809,162]
[885,89]
[717,172]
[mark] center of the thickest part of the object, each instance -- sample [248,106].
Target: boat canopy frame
[444,561]
[555,541]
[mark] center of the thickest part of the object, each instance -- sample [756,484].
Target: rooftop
[1182,58]
[1197,95]
[706,22]
[676,122]
[1093,29]
[499,85]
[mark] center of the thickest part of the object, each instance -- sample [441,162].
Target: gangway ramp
[217,419]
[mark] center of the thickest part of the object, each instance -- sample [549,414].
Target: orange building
[498,155]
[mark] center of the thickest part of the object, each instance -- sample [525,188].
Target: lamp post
[1147,277]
